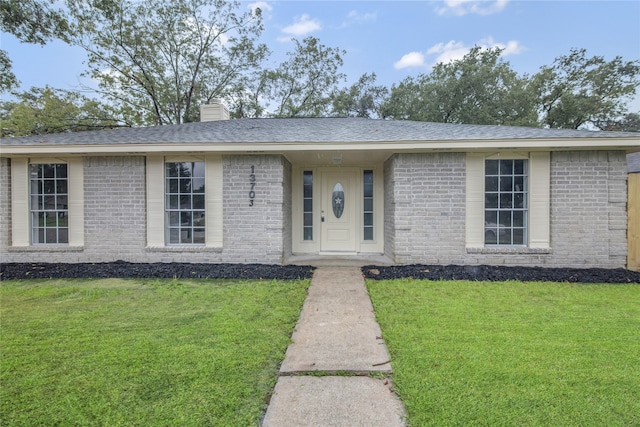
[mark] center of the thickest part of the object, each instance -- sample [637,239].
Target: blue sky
[396,39]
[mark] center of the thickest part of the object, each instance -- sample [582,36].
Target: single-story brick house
[264,190]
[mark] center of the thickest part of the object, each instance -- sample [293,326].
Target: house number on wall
[252,182]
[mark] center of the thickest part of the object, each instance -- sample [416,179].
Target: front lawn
[513,353]
[142,352]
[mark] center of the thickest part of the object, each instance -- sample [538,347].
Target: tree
[480,88]
[302,85]
[8,80]
[362,99]
[577,91]
[46,110]
[161,59]
[33,21]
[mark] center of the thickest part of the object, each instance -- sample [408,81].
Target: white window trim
[213,201]
[20,199]
[539,197]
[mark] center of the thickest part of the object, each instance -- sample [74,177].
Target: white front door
[338,214]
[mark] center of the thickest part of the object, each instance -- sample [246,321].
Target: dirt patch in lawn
[501,273]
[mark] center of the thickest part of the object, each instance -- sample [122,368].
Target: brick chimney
[214,110]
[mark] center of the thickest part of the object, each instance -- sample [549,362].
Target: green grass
[507,354]
[136,352]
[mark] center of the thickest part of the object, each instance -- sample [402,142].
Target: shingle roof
[306,130]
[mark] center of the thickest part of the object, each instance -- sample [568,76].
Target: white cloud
[448,52]
[454,50]
[262,5]
[362,18]
[512,47]
[479,7]
[412,59]
[302,25]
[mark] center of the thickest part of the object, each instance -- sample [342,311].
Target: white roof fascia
[628,144]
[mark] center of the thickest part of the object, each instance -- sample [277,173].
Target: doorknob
[322,216]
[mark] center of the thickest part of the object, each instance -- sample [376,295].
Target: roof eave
[628,144]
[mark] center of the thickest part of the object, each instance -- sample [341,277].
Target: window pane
[506,183]
[491,200]
[518,236]
[186,235]
[174,202]
[198,219]
[173,186]
[368,219]
[491,183]
[368,233]
[506,167]
[185,201]
[308,205]
[505,219]
[198,185]
[49,171]
[174,235]
[490,236]
[185,218]
[308,233]
[198,235]
[518,200]
[198,170]
[49,186]
[491,218]
[308,219]
[505,201]
[308,191]
[518,219]
[504,237]
[174,219]
[518,183]
[62,203]
[368,205]
[519,167]
[63,235]
[491,167]
[51,235]
[198,202]
[368,191]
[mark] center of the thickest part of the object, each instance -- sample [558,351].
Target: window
[307,211]
[49,203]
[368,204]
[506,202]
[185,203]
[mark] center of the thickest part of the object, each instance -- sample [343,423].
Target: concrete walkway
[336,334]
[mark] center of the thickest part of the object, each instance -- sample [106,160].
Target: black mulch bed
[501,273]
[121,269]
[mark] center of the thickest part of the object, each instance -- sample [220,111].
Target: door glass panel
[337,200]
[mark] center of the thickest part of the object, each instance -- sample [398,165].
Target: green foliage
[362,99]
[142,352]
[41,111]
[33,21]
[302,85]
[480,88]
[161,59]
[535,354]
[8,80]
[577,91]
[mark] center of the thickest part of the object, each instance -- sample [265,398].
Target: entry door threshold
[338,253]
